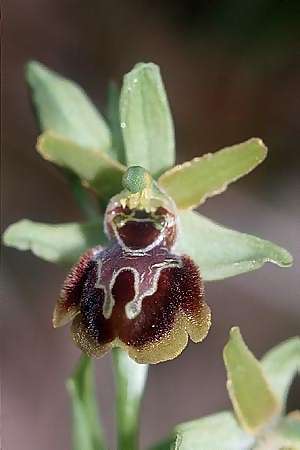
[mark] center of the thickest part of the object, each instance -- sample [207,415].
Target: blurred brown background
[231,72]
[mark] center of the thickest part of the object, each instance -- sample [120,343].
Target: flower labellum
[137,293]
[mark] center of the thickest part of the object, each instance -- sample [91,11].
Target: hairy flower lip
[173,310]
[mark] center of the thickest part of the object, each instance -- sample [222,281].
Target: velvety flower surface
[137,293]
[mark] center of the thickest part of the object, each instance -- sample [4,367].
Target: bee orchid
[138,293]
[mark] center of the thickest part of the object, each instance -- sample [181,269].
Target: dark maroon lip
[176,290]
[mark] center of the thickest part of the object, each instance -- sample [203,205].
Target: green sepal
[63,107]
[60,243]
[221,252]
[146,120]
[254,402]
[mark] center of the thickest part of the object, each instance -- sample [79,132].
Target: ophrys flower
[138,293]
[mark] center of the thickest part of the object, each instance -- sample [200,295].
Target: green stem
[130,379]
[86,425]
[82,196]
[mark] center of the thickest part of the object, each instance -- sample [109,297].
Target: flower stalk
[130,380]
[87,430]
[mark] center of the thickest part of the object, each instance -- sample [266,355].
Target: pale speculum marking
[146,270]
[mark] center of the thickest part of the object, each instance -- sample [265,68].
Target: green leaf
[281,364]
[62,243]
[130,380]
[215,432]
[95,168]
[113,117]
[221,252]
[87,430]
[191,183]
[289,431]
[252,397]
[286,436]
[166,444]
[146,120]
[62,106]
